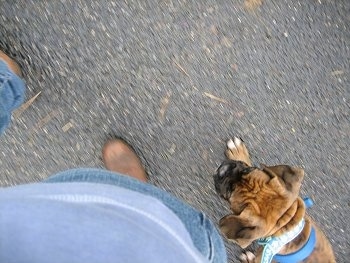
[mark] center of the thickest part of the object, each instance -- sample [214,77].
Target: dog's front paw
[247,257]
[236,150]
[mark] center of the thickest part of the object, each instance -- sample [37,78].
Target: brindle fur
[265,201]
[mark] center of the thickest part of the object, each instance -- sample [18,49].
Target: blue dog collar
[301,254]
[272,245]
[308,202]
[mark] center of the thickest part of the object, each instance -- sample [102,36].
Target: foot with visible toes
[247,257]
[236,150]
[119,157]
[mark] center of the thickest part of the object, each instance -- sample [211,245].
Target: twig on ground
[45,120]
[181,68]
[214,97]
[25,106]
[164,105]
[67,126]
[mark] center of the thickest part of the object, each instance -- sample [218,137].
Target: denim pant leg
[11,94]
[202,231]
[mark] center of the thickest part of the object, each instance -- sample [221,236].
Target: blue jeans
[11,94]
[204,235]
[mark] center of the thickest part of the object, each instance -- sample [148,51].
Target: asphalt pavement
[177,79]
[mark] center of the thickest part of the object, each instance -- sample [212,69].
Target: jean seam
[211,251]
[4,79]
[206,225]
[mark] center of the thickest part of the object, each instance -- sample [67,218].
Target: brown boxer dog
[266,206]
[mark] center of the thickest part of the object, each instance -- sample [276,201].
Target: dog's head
[258,197]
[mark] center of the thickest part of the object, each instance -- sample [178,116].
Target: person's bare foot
[119,157]
[11,64]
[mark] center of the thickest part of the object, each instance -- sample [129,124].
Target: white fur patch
[247,257]
[243,257]
[237,141]
[250,256]
[231,145]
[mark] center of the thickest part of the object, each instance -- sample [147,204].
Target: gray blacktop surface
[177,79]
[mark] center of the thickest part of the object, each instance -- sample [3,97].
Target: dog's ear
[290,176]
[242,229]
